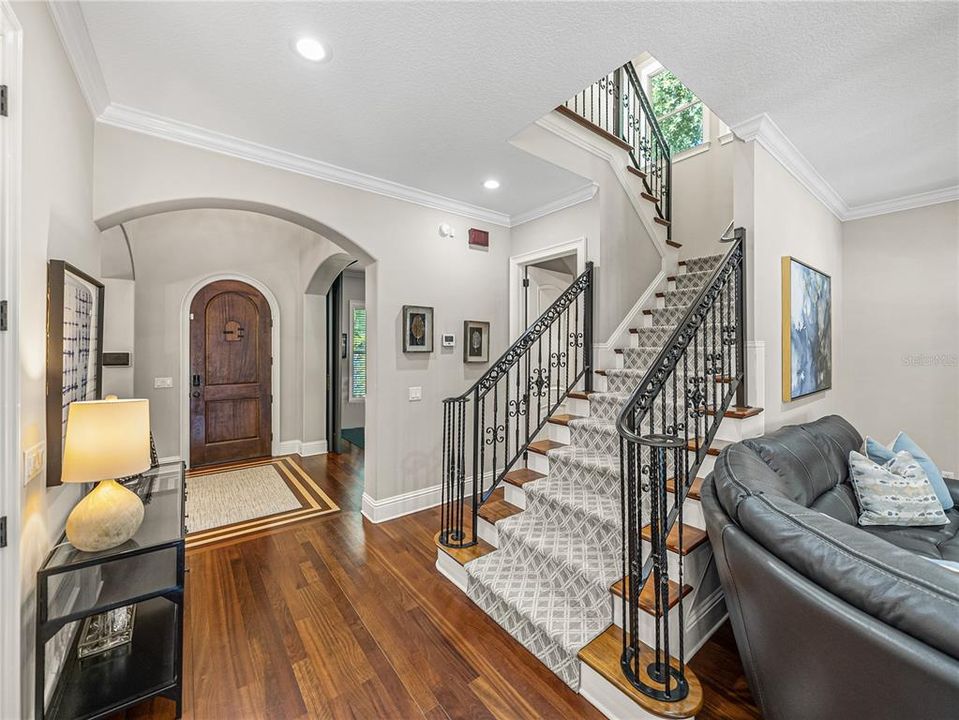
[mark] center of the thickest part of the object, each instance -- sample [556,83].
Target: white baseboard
[378,511]
[169,459]
[304,449]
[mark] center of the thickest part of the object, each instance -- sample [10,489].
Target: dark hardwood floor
[339,618]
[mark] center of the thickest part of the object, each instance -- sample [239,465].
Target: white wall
[174,251]
[900,366]
[119,304]
[354,288]
[57,155]
[411,264]
[788,220]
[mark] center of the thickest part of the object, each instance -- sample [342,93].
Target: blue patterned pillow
[879,453]
[896,493]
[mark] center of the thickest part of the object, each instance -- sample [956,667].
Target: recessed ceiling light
[311,49]
[491,184]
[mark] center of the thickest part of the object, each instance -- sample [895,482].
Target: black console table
[146,571]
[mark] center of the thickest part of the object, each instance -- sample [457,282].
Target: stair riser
[693,568]
[539,463]
[559,433]
[514,495]
[577,407]
[487,531]
[647,625]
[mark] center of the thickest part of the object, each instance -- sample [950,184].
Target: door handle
[196,381]
[196,393]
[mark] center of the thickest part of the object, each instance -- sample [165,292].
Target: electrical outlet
[162,383]
[34,460]
[416,394]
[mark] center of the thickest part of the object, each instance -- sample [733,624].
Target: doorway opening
[539,277]
[346,362]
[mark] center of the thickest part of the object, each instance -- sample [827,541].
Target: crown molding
[580,195]
[767,133]
[909,202]
[128,118]
[75,37]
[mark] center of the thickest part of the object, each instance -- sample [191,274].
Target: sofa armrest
[953,487]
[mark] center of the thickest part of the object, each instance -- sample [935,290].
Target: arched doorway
[231,368]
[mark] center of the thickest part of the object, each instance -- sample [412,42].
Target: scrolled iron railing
[666,428]
[617,104]
[488,428]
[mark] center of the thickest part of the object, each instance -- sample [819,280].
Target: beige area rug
[224,503]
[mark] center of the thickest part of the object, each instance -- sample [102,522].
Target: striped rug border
[315,502]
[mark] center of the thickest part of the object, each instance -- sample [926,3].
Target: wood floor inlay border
[314,502]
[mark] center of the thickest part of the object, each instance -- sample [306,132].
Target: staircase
[600,528]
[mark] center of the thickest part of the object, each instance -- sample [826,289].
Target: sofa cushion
[891,584]
[940,542]
[809,459]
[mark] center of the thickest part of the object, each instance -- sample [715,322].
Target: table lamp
[106,439]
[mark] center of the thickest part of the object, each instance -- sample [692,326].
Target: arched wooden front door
[230,374]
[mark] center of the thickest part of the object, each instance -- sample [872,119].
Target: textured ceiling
[427,94]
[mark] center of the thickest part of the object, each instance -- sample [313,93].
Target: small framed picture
[475,341]
[448,340]
[417,329]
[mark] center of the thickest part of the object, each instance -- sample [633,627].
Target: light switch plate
[416,394]
[34,460]
[162,382]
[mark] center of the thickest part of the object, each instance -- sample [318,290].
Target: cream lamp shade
[106,439]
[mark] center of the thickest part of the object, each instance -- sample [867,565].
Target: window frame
[647,71]
[354,305]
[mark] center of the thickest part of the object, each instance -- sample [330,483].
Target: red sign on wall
[480,238]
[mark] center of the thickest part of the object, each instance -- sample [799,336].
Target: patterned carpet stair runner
[548,581]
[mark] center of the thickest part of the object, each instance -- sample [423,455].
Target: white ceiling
[428,94]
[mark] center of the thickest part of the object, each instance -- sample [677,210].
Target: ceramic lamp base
[108,516]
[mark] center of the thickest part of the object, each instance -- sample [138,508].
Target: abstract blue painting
[807,330]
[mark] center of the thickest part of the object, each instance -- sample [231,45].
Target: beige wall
[174,253]
[57,157]
[788,220]
[900,366]
[119,318]
[411,264]
[702,203]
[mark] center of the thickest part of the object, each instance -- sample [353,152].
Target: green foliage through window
[358,352]
[679,112]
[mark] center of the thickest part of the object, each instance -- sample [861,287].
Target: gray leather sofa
[833,621]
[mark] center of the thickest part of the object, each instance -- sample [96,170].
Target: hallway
[339,618]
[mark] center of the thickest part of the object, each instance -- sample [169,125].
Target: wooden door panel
[231,420]
[231,319]
[231,368]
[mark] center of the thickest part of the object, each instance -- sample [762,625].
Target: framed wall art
[475,341]
[417,329]
[74,351]
[806,330]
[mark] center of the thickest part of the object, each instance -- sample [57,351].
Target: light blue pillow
[879,453]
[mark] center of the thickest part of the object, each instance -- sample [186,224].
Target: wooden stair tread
[618,351]
[681,262]
[738,413]
[651,198]
[465,555]
[647,600]
[695,491]
[714,449]
[564,418]
[577,118]
[693,537]
[663,221]
[496,508]
[544,446]
[636,171]
[578,395]
[600,372]
[646,311]
[673,243]
[603,654]
[670,278]
[521,476]
[660,294]
[635,331]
